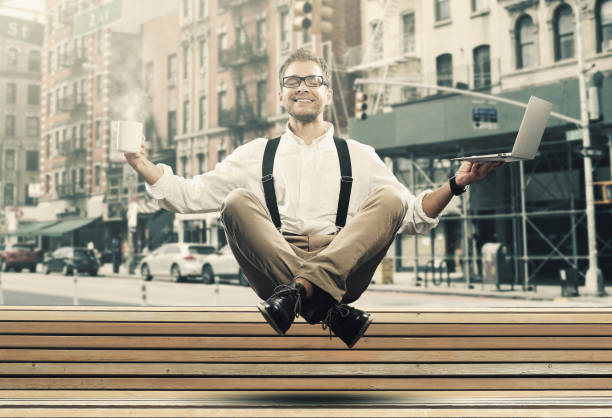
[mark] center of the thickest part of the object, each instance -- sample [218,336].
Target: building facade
[512,49]
[20,78]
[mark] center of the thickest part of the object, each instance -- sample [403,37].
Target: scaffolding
[535,209]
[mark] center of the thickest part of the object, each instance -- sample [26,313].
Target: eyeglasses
[294,81]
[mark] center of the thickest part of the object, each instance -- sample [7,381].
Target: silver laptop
[529,135]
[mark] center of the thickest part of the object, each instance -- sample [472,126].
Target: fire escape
[245,60]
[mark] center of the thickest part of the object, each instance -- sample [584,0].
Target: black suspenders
[346,180]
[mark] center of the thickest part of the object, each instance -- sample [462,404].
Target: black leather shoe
[283,306]
[347,323]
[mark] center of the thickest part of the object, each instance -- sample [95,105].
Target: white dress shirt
[306,181]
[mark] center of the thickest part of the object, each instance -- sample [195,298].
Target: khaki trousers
[341,264]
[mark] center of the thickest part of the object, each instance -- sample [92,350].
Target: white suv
[178,261]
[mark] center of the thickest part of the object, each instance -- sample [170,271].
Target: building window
[11,58]
[603,17]
[285,27]
[185,116]
[261,34]
[222,40]
[171,127]
[202,9]
[34,61]
[97,173]
[444,70]
[9,160]
[47,183]
[221,155]
[482,67]
[442,10]
[57,142]
[11,93]
[32,160]
[200,163]
[185,62]
[376,35]
[98,87]
[29,201]
[563,27]
[171,68]
[10,125]
[525,43]
[186,8]
[221,105]
[478,5]
[261,99]
[184,165]
[33,94]
[48,146]
[98,133]
[408,42]
[202,112]
[32,127]
[202,61]
[9,194]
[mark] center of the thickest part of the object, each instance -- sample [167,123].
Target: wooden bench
[227,362]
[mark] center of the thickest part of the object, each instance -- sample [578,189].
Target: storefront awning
[31,229]
[65,226]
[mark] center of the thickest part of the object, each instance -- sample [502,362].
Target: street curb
[458,293]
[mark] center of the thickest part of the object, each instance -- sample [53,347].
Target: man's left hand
[471,172]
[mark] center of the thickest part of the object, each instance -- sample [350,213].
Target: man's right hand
[149,171]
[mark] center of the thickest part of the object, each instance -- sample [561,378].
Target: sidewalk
[404,283]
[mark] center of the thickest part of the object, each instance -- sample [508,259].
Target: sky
[22,8]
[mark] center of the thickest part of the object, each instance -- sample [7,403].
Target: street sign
[591,152]
[484,118]
[97,18]
[573,135]
[21,30]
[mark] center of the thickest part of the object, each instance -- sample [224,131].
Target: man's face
[303,102]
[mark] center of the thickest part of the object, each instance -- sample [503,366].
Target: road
[56,289]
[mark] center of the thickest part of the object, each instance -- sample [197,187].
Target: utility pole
[594,283]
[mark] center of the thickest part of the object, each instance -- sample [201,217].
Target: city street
[55,289]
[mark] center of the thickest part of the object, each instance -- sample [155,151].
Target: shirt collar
[326,136]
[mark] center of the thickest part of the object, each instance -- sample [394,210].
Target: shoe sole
[262,308]
[361,331]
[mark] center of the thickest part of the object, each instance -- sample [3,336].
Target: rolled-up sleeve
[416,220]
[203,193]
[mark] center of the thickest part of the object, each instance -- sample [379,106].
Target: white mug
[129,136]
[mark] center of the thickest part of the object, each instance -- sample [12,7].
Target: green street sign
[97,18]
[573,135]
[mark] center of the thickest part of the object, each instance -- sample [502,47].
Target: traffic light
[302,15]
[322,13]
[361,105]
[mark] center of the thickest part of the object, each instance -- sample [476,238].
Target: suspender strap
[268,180]
[346,181]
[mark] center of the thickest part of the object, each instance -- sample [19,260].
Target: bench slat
[298,329]
[309,356]
[255,317]
[321,342]
[305,383]
[569,411]
[305,369]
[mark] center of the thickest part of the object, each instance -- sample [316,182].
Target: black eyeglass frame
[303,79]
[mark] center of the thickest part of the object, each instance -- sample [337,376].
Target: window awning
[31,229]
[65,226]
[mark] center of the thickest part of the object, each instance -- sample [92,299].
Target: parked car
[179,261]
[18,256]
[222,264]
[71,260]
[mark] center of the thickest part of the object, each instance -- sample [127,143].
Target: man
[297,254]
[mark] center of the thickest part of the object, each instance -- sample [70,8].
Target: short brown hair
[303,54]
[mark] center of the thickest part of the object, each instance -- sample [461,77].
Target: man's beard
[304,117]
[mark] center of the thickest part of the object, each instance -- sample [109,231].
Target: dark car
[18,256]
[71,260]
